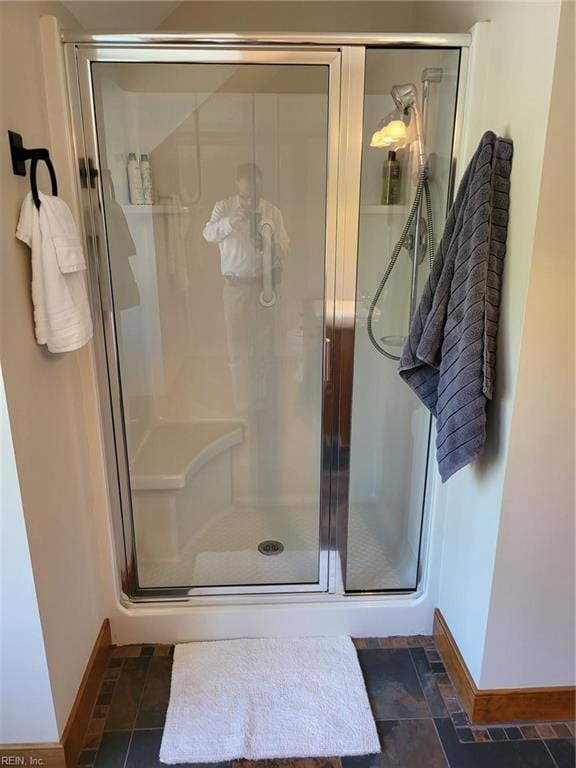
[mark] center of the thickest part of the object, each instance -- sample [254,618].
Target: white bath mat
[267,698]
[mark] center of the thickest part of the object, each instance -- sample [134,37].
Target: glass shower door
[409,112]
[215,186]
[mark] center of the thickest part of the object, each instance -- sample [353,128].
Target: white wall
[517,76]
[50,397]
[289,16]
[533,584]
[23,666]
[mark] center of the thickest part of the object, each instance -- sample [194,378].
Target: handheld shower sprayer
[405,98]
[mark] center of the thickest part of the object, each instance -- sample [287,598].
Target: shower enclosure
[256,441]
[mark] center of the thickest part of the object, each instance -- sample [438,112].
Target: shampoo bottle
[135,186]
[146,171]
[391,180]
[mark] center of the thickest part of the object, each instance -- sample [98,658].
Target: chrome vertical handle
[267,294]
[327,359]
[104,283]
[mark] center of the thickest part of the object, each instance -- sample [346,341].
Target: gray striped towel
[450,353]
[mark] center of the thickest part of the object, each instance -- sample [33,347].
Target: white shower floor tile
[225,552]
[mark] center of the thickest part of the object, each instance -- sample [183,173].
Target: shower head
[405,96]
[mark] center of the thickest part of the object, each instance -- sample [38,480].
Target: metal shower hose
[422,188]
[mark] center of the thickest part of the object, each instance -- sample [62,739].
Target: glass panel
[218,288]
[390,428]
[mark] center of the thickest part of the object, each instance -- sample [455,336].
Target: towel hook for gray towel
[20,154]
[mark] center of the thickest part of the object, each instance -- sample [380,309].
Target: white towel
[61,308]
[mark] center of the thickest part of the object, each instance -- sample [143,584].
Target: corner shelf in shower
[155,208]
[172,453]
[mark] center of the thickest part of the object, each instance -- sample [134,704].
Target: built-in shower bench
[172,453]
[180,478]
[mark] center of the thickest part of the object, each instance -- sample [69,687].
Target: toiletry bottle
[391,180]
[135,186]
[146,171]
[403,158]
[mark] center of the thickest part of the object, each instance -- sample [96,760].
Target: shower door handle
[88,173]
[267,294]
[327,359]
[104,287]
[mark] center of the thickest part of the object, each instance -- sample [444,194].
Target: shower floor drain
[270,547]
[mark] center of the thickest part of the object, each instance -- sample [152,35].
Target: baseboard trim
[47,754]
[79,717]
[502,705]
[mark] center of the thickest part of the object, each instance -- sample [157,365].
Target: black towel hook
[20,154]
[33,183]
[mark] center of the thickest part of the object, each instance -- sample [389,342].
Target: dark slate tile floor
[419,717]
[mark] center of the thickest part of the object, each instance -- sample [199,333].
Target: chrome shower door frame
[80,58]
[345,56]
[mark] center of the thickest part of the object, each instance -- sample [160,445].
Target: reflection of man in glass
[252,240]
